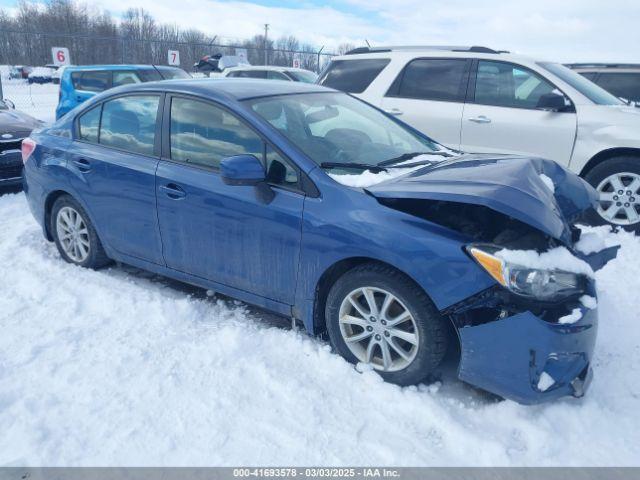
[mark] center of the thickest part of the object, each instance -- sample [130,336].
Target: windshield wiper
[358,166]
[409,156]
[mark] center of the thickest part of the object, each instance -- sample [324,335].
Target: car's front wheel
[617,181]
[378,316]
[75,236]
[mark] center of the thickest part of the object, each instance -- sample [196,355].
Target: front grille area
[12,145]
[10,171]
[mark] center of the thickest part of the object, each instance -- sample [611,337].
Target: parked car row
[476,99]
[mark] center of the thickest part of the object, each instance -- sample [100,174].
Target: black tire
[97,258]
[431,327]
[599,173]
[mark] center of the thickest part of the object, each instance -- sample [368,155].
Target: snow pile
[559,258]
[573,317]
[545,382]
[119,367]
[548,182]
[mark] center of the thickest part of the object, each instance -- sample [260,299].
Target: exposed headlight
[542,284]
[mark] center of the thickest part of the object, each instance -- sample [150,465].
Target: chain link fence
[28,84]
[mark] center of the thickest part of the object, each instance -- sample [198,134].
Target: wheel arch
[608,154]
[48,207]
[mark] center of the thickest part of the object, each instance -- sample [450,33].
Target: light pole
[266,55]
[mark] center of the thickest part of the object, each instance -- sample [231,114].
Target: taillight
[28,146]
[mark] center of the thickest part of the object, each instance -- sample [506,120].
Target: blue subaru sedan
[315,205]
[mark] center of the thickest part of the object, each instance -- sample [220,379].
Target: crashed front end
[531,336]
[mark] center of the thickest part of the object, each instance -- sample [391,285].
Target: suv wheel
[378,316]
[75,237]
[618,183]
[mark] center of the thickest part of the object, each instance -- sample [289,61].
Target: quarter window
[203,134]
[507,85]
[433,79]
[88,124]
[353,76]
[129,123]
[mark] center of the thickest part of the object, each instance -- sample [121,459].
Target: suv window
[129,123]
[203,134]
[125,78]
[353,76]
[273,75]
[88,125]
[91,81]
[248,74]
[508,85]
[432,79]
[623,85]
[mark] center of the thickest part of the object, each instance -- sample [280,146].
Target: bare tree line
[95,37]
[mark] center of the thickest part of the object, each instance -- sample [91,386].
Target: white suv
[480,100]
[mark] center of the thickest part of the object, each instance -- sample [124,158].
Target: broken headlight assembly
[534,283]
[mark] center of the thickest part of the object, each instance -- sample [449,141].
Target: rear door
[113,159]
[502,116]
[429,95]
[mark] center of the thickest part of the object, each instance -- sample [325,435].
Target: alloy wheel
[378,329]
[73,234]
[620,198]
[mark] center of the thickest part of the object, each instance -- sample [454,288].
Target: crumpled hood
[511,185]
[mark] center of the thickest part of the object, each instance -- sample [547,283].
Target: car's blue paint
[506,184]
[242,170]
[184,222]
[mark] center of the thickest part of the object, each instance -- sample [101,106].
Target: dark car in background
[620,79]
[14,127]
[79,83]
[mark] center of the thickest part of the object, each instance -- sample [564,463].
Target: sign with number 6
[173,57]
[60,56]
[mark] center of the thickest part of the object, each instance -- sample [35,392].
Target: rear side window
[432,79]
[271,75]
[623,85]
[91,81]
[129,123]
[589,75]
[88,125]
[353,76]
[249,74]
[149,75]
[203,134]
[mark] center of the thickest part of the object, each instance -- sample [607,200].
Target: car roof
[117,67]
[233,88]
[275,68]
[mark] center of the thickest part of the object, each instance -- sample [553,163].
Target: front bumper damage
[520,351]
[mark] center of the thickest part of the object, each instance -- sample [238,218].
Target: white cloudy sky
[564,30]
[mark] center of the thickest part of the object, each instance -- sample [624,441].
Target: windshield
[335,127]
[587,88]
[302,76]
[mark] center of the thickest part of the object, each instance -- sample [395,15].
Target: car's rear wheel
[618,184]
[75,236]
[378,316]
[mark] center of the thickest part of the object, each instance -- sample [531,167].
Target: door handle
[83,165]
[173,191]
[394,111]
[480,119]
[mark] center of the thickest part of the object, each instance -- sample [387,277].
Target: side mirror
[552,102]
[247,170]
[9,103]
[242,170]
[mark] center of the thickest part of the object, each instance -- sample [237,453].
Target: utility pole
[266,55]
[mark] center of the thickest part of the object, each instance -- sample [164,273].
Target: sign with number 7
[173,57]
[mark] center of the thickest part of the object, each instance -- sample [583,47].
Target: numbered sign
[242,54]
[60,56]
[296,61]
[173,57]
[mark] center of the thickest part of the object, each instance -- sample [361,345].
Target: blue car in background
[312,204]
[79,83]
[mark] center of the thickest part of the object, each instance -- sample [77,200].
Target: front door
[429,95]
[220,232]
[502,116]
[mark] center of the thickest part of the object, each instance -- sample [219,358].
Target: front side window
[203,134]
[125,78]
[334,127]
[91,81]
[302,76]
[433,79]
[353,76]
[89,124]
[129,123]
[508,85]
[622,85]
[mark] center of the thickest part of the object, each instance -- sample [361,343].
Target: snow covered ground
[119,367]
[39,101]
